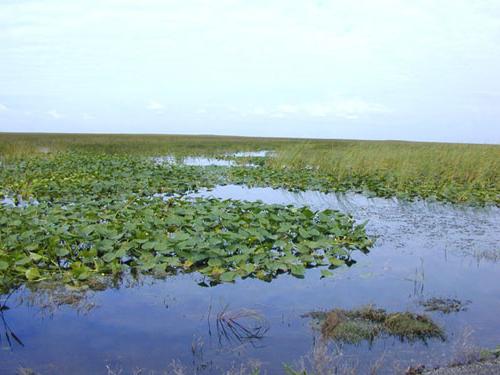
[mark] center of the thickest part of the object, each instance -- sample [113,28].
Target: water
[243,154]
[423,250]
[200,161]
[203,162]
[21,203]
[195,161]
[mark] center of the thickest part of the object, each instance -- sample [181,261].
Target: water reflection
[239,326]
[423,251]
[250,154]
[8,338]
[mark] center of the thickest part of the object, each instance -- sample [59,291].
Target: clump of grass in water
[368,323]
[411,327]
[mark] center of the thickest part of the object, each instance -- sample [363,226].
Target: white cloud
[55,114]
[155,106]
[3,108]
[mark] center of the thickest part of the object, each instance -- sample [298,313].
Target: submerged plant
[241,325]
[445,305]
[8,337]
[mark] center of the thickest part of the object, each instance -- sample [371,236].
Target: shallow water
[200,161]
[195,161]
[243,154]
[203,162]
[11,202]
[423,250]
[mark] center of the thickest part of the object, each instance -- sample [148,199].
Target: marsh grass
[459,172]
[15,145]
[442,171]
[444,305]
[368,323]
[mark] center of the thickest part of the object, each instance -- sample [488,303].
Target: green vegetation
[448,172]
[221,239]
[444,305]
[89,204]
[368,323]
[27,144]
[459,173]
[66,177]
[490,353]
[107,214]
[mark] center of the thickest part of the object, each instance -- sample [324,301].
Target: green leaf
[23,261]
[249,267]
[32,274]
[326,273]
[62,252]
[214,262]
[109,257]
[35,257]
[298,270]
[336,262]
[228,276]
[304,233]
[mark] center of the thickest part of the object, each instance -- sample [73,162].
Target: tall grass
[26,144]
[455,172]
[399,162]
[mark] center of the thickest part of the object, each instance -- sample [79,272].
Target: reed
[450,172]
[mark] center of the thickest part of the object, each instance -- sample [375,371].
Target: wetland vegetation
[460,173]
[83,215]
[94,214]
[367,323]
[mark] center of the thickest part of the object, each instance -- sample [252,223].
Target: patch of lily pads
[221,240]
[71,177]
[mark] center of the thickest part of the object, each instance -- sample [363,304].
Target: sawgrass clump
[369,323]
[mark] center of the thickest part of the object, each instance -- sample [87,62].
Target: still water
[423,250]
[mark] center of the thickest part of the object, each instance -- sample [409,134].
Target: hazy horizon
[378,70]
[242,136]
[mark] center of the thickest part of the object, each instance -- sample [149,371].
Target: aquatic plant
[70,177]
[240,325]
[446,172]
[411,327]
[445,305]
[368,323]
[459,173]
[222,240]
[6,332]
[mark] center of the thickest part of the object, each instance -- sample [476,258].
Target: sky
[380,69]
